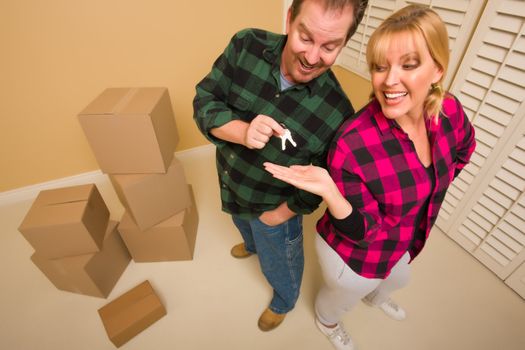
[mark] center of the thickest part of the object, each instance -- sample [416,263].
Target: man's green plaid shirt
[245,82]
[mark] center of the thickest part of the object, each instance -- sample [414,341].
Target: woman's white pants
[343,288]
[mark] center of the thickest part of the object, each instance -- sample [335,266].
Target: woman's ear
[438,74]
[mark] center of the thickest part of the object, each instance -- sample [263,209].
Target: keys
[287,136]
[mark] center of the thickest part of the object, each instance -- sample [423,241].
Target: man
[274,98]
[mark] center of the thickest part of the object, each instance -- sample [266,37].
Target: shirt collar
[383,123]
[388,125]
[272,54]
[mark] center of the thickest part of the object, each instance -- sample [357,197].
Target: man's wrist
[278,215]
[233,131]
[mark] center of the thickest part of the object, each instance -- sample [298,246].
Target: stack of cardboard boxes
[76,245]
[133,134]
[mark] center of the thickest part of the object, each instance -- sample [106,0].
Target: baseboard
[29,192]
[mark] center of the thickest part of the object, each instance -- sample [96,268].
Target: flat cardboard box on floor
[66,221]
[89,274]
[153,198]
[171,240]
[131,130]
[131,313]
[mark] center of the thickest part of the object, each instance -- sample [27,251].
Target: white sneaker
[337,336]
[390,308]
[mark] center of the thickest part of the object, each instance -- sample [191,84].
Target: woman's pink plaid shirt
[375,166]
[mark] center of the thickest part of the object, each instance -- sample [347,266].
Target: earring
[434,87]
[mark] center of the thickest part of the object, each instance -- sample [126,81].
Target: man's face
[315,38]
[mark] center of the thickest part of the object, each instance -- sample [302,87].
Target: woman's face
[401,83]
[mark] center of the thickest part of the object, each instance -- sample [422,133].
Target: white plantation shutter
[493,230]
[484,209]
[353,56]
[460,17]
[492,92]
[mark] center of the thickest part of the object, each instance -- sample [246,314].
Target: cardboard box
[66,221]
[131,313]
[131,130]
[90,274]
[152,198]
[171,240]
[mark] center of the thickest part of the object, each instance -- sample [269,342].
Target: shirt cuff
[303,202]
[352,226]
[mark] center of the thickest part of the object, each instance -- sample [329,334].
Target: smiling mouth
[306,66]
[394,95]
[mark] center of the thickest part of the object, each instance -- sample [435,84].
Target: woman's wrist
[337,204]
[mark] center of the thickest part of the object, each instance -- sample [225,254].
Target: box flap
[106,102]
[64,195]
[126,299]
[174,220]
[61,217]
[133,313]
[143,101]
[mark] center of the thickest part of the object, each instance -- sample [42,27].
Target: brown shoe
[239,251]
[270,320]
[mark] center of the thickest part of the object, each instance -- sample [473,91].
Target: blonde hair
[428,30]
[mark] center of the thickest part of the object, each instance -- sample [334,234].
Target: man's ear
[288,16]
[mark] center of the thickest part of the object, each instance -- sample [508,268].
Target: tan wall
[57,55]
[357,88]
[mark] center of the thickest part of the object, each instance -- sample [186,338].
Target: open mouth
[306,66]
[394,95]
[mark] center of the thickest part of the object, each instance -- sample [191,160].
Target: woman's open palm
[310,178]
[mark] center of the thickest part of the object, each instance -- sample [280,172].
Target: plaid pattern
[375,166]
[245,82]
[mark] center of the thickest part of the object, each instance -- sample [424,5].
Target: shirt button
[277,95]
[225,172]
[232,156]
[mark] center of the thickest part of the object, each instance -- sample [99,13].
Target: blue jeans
[281,256]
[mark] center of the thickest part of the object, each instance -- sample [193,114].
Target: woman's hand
[315,180]
[310,178]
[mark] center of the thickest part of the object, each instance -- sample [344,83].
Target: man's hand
[255,134]
[277,216]
[260,130]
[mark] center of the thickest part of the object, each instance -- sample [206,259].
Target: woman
[390,166]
